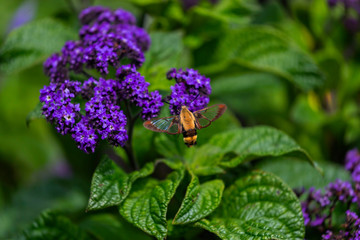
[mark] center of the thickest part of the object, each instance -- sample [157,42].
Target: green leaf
[200,200]
[205,160]
[52,226]
[255,142]
[108,227]
[111,185]
[146,205]
[166,51]
[32,43]
[257,206]
[265,49]
[293,174]
[257,94]
[35,114]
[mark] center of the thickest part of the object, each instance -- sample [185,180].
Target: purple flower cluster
[352,164]
[134,88]
[351,229]
[57,106]
[316,203]
[318,207]
[106,39]
[351,13]
[191,89]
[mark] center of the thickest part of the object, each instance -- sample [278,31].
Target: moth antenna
[196,96]
[166,100]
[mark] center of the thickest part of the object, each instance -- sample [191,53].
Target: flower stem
[128,145]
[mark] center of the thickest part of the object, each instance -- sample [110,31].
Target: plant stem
[128,145]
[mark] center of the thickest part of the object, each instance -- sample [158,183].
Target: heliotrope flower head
[106,39]
[342,190]
[57,105]
[135,89]
[319,205]
[191,89]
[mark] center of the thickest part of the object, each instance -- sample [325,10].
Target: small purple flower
[318,207]
[191,89]
[352,164]
[90,14]
[352,159]
[57,106]
[328,235]
[55,69]
[135,88]
[85,136]
[72,54]
[343,190]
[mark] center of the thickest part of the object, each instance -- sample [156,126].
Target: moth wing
[170,125]
[205,116]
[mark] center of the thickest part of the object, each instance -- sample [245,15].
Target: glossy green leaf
[205,160]
[146,205]
[111,185]
[35,114]
[109,227]
[200,200]
[257,206]
[52,226]
[265,49]
[32,43]
[254,142]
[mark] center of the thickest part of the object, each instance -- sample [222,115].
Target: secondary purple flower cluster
[351,229]
[319,205]
[351,13]
[191,89]
[106,39]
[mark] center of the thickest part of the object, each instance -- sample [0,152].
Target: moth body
[186,122]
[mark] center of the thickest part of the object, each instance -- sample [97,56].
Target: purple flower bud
[90,14]
[328,235]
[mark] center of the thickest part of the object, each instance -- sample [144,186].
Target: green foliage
[146,206]
[32,43]
[257,206]
[265,49]
[229,149]
[252,92]
[200,200]
[108,227]
[52,226]
[111,185]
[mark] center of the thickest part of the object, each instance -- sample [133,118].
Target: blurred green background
[302,77]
